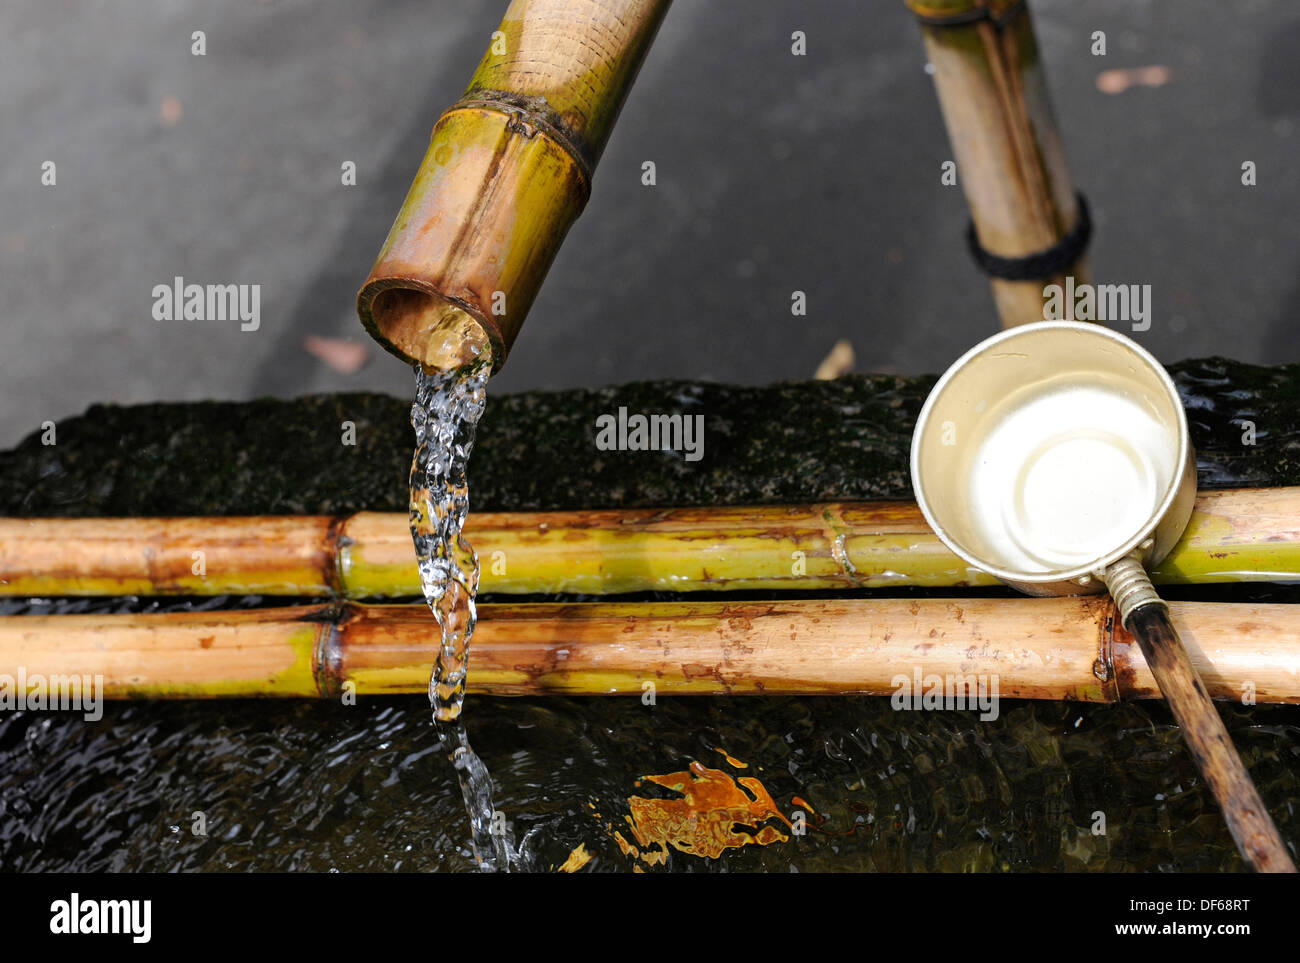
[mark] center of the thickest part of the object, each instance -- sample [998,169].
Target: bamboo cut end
[469,249]
[423,328]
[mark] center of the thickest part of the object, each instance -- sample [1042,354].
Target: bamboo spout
[430,329]
[507,172]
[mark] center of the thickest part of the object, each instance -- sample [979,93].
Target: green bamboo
[1238,535]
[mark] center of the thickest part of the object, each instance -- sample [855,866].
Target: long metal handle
[1146,616]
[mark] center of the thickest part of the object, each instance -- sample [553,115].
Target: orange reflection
[714,813]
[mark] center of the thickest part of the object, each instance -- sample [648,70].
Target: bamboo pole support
[507,171]
[1056,648]
[1004,137]
[1234,535]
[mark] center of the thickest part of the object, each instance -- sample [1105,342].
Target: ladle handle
[1258,840]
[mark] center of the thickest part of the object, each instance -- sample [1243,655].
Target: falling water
[445,415]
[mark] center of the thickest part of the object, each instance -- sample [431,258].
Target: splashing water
[447,409]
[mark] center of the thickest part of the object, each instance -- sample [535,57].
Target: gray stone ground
[775,173]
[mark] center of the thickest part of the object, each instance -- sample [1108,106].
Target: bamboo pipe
[507,172]
[1004,137]
[1070,648]
[1233,535]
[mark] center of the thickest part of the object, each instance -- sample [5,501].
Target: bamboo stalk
[1010,161]
[1236,535]
[1056,648]
[507,172]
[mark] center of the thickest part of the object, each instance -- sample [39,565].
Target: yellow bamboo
[507,171]
[1058,648]
[1010,161]
[1237,535]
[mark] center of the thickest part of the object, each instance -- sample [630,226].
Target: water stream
[447,409]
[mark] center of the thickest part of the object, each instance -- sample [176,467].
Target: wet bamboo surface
[1234,535]
[1055,648]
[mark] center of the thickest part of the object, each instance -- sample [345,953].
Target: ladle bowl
[1051,451]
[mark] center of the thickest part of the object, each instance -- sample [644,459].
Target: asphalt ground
[775,173]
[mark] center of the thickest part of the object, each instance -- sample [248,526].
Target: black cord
[1041,265]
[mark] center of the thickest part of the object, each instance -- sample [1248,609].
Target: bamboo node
[327,653]
[953,15]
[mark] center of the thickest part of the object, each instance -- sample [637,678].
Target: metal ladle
[1055,456]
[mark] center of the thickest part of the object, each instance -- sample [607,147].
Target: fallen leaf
[838,362]
[577,859]
[1118,81]
[345,357]
[169,111]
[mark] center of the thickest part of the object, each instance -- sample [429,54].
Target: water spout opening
[428,330]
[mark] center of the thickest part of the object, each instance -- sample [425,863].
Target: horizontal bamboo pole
[1238,535]
[1059,648]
